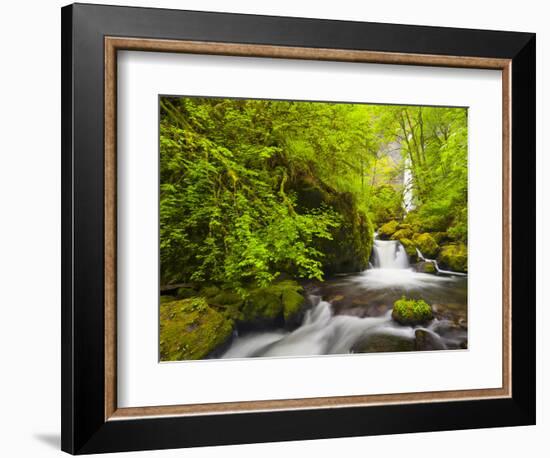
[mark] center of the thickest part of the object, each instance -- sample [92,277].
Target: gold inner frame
[114,44]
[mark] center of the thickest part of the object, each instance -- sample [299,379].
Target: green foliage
[411,311]
[252,189]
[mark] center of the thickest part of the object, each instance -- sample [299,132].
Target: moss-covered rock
[293,303]
[229,302]
[440,237]
[387,230]
[275,305]
[454,256]
[402,234]
[191,329]
[427,245]
[411,312]
[351,244]
[410,248]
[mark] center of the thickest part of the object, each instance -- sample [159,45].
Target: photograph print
[305,228]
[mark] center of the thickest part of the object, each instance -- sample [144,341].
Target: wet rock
[426,341]
[379,343]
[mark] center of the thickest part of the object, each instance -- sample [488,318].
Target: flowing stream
[352,313]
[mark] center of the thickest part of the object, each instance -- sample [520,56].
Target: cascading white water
[389,254]
[321,333]
[324,333]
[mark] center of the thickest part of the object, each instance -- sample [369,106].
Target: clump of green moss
[427,245]
[410,248]
[191,329]
[387,230]
[402,234]
[411,312]
[282,300]
[454,257]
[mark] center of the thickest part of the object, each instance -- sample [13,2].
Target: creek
[351,313]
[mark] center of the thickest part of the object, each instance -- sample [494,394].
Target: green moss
[426,267]
[440,237]
[427,245]
[293,302]
[402,234]
[387,230]
[191,329]
[411,311]
[282,300]
[351,244]
[410,248]
[429,268]
[454,256]
[262,304]
[164,299]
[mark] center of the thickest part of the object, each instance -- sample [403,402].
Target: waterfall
[407,186]
[389,254]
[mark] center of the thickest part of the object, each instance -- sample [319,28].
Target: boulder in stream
[411,312]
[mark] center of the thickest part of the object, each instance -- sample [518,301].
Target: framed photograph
[282,228]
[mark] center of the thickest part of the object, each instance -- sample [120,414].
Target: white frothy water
[321,333]
[389,254]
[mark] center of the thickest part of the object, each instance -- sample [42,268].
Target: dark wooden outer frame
[90,36]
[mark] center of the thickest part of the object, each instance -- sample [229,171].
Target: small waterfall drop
[389,254]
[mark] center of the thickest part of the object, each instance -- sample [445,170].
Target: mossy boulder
[410,248]
[402,234]
[411,312]
[440,237]
[293,302]
[229,302]
[279,304]
[351,244]
[427,245]
[191,329]
[387,230]
[454,256]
